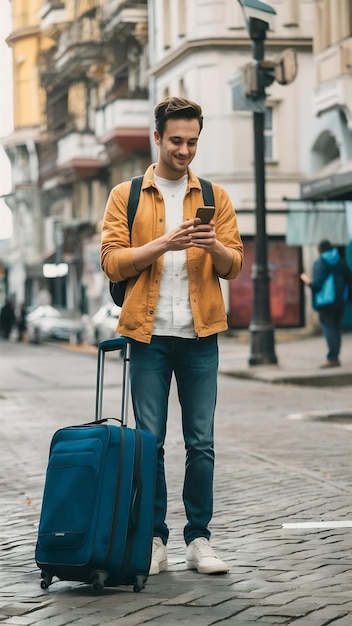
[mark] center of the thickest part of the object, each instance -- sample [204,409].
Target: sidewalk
[282,498]
[298,356]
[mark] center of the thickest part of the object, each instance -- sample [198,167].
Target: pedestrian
[21,321]
[7,319]
[172,313]
[331,287]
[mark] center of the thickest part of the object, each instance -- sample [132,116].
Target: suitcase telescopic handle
[111,345]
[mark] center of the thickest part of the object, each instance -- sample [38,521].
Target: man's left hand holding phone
[205,214]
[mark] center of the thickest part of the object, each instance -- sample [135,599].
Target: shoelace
[204,548]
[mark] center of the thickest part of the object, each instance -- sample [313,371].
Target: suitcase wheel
[99,578]
[139,584]
[46,579]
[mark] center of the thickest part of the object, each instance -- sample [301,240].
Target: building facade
[325,209]
[21,148]
[81,125]
[87,74]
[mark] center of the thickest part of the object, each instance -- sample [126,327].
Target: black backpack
[118,289]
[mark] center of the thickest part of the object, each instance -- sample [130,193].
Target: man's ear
[157,138]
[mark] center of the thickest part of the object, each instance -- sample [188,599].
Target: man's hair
[176,108]
[324,245]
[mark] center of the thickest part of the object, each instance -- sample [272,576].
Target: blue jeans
[331,324]
[194,363]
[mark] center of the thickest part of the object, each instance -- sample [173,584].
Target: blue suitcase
[96,522]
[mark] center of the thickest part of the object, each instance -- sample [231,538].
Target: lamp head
[259,17]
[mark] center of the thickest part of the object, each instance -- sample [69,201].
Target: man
[7,319]
[329,263]
[21,321]
[173,311]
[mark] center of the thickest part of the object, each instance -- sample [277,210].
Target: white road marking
[341,524]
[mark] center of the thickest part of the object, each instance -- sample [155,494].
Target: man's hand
[192,233]
[305,278]
[186,235]
[180,237]
[203,235]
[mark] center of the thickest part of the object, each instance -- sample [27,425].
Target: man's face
[177,147]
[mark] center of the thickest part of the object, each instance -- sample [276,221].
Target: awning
[310,222]
[331,181]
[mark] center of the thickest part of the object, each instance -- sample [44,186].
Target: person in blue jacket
[330,313]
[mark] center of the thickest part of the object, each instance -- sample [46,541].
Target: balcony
[53,18]
[334,80]
[336,93]
[120,19]
[79,156]
[122,125]
[54,15]
[80,47]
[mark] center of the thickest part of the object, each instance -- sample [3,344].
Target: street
[276,477]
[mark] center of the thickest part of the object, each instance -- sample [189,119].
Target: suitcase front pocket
[69,495]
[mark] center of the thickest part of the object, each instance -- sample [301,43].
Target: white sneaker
[201,556]
[159,557]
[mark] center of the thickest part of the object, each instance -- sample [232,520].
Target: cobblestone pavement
[283,487]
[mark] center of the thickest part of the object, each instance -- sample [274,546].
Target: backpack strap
[117,290]
[207,191]
[133,199]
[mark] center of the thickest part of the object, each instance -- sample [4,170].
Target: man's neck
[170,181]
[169,174]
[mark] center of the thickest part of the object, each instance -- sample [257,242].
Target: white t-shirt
[173,315]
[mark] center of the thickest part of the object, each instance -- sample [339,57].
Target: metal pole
[261,328]
[58,256]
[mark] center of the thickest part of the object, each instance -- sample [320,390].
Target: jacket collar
[148,180]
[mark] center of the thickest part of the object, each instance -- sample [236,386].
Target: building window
[333,22]
[234,15]
[166,24]
[270,151]
[181,5]
[343,17]
[182,89]
[318,37]
[291,13]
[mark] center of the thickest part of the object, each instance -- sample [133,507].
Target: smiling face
[177,147]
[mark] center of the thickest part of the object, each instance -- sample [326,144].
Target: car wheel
[36,336]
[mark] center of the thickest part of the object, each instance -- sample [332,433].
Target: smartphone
[205,213]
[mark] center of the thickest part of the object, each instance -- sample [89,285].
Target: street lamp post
[58,254]
[258,16]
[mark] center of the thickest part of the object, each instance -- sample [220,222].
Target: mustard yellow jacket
[137,315]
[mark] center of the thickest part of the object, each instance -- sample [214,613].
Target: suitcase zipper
[135,500]
[117,496]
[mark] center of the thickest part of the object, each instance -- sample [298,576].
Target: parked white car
[46,322]
[103,324]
